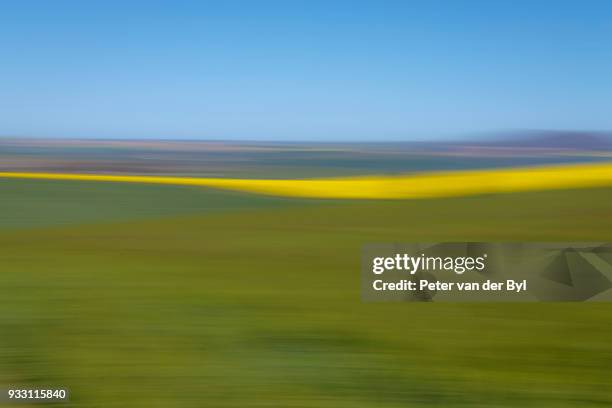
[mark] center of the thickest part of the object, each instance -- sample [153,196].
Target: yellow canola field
[410,186]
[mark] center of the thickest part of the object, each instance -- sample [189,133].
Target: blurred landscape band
[420,185]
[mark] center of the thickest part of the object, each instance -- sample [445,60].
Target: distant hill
[554,140]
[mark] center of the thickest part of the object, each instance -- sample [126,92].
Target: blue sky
[303,70]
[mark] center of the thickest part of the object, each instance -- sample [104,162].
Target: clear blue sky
[295,70]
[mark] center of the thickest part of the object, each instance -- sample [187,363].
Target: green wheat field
[163,296]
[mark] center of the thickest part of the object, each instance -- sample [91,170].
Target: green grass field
[161,296]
